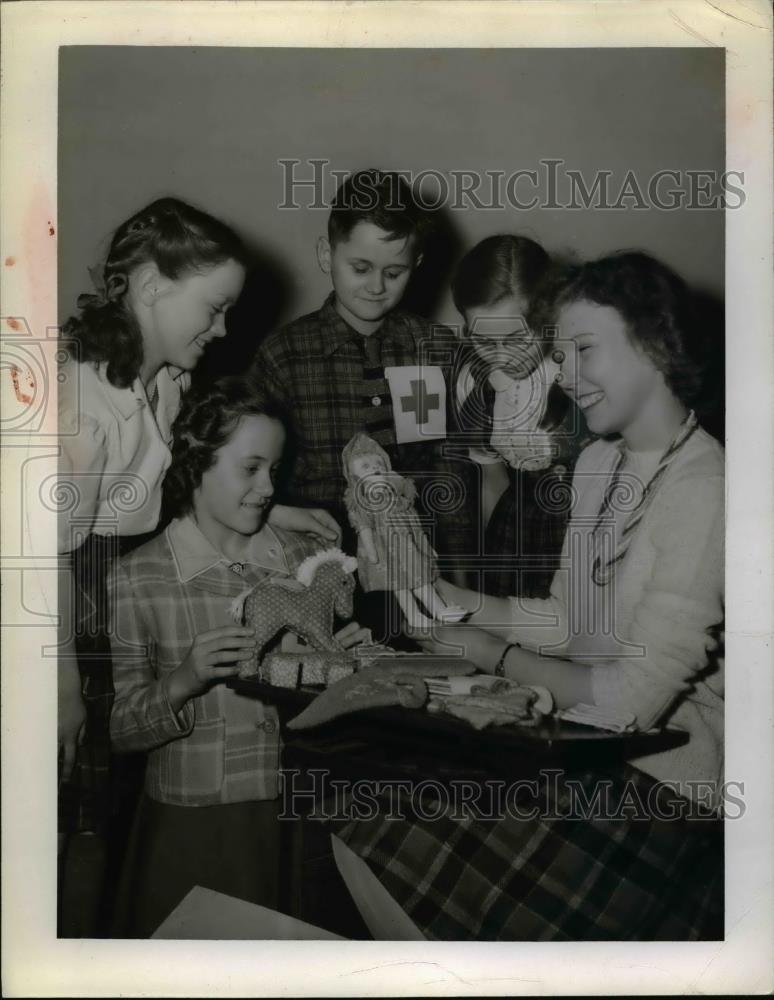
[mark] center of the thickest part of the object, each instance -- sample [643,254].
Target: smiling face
[186,313]
[500,336]
[233,496]
[614,382]
[369,271]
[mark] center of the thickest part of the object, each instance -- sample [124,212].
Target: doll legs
[434,603]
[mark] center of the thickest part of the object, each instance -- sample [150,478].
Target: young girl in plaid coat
[209,813]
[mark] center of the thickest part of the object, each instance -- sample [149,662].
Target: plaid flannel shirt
[317,367]
[221,747]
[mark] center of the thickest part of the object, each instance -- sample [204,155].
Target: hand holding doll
[393,552]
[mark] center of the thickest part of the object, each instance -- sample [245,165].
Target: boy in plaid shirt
[360,363]
[209,815]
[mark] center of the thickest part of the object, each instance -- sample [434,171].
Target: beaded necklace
[603,574]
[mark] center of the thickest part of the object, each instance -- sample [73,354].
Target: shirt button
[238,568]
[376,400]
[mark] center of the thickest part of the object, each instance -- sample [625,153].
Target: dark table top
[398,742]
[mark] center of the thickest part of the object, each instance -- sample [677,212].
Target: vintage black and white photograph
[388,471]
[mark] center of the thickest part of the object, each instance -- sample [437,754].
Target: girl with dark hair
[170,275]
[524,432]
[632,851]
[209,813]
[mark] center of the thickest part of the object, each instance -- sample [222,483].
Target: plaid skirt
[549,867]
[87,800]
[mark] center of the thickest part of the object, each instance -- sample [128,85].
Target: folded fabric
[422,665]
[599,718]
[369,688]
[502,703]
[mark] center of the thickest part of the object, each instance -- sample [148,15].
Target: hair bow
[105,290]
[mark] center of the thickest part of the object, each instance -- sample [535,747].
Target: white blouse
[113,452]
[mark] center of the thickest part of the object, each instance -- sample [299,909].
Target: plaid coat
[323,371]
[221,747]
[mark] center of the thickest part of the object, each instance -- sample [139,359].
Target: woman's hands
[453,594]
[353,635]
[309,520]
[474,644]
[213,656]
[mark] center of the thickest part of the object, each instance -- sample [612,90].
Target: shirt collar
[194,554]
[128,401]
[339,332]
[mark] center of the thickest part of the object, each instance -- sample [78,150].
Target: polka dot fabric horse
[305,605]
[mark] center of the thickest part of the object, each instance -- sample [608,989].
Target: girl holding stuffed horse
[209,812]
[170,275]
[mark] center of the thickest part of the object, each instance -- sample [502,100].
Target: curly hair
[178,239]
[655,303]
[383,198]
[208,417]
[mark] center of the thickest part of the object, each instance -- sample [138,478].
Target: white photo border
[36,963]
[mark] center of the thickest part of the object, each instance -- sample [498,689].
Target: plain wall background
[210,124]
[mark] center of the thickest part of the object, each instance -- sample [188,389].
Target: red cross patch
[418,402]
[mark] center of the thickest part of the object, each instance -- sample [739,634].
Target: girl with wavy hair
[209,812]
[170,276]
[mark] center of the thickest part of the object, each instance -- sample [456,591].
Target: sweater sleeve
[542,624]
[680,603]
[142,717]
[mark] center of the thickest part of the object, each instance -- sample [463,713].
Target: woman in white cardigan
[640,593]
[629,626]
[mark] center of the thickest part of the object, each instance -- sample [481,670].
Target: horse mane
[307,569]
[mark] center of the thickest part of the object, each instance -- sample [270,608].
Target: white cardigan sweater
[644,635]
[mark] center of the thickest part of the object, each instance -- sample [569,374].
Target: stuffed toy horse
[305,605]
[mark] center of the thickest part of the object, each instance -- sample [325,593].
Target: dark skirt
[88,799]
[549,868]
[233,849]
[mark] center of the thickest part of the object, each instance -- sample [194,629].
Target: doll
[393,552]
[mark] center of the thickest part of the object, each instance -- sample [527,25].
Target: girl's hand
[309,520]
[353,635]
[474,644]
[213,656]
[452,594]
[71,715]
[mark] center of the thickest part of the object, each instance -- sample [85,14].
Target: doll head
[363,457]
